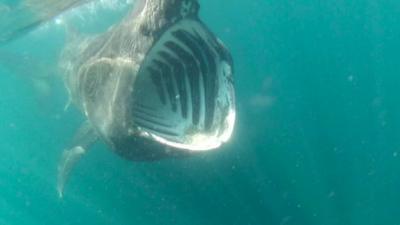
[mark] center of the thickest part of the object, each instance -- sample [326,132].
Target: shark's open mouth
[183,95]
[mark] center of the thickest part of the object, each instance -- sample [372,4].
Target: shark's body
[159,84]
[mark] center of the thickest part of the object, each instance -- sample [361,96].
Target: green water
[317,139]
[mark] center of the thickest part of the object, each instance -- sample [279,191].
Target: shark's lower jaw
[143,149]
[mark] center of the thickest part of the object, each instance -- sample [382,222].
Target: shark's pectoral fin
[84,138]
[69,158]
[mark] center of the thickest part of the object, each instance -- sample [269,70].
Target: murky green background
[317,139]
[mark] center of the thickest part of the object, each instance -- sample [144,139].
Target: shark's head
[159,84]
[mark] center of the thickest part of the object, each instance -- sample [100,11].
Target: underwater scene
[199,112]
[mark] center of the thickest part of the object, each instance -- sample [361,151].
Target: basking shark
[158,84]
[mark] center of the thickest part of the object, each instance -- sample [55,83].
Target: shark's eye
[185,7]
